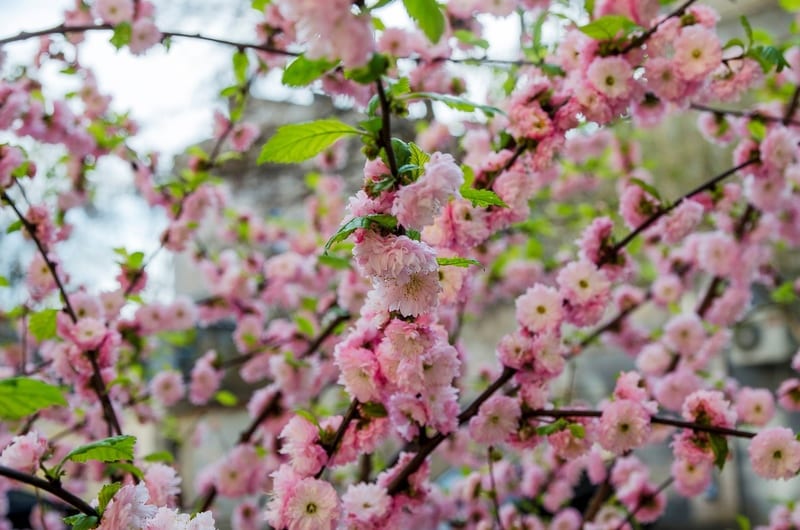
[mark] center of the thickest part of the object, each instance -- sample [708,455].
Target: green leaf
[114,449]
[748,29]
[259,5]
[482,198]
[106,494]
[757,129]
[645,186]
[743,522]
[122,35]
[768,57]
[81,521]
[552,428]
[455,102]
[22,396]
[307,415]
[577,430]
[240,63]
[784,294]
[609,26]
[301,141]
[160,456]
[457,262]
[42,324]
[303,71]
[402,86]
[14,227]
[719,445]
[226,398]
[417,158]
[304,325]
[4,281]
[367,221]
[428,15]
[334,262]
[734,42]
[374,69]
[470,39]
[790,5]
[373,409]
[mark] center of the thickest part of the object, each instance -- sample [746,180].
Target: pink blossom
[144,35]
[681,221]
[540,309]
[24,452]
[775,453]
[755,406]
[358,372]
[163,484]
[364,503]
[497,418]
[715,253]
[168,387]
[611,76]
[697,52]
[128,509]
[624,425]
[312,505]
[709,407]
[300,438]
[684,334]
[243,135]
[114,11]
[636,205]
[205,379]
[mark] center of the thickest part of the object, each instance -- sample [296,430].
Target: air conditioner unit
[764,337]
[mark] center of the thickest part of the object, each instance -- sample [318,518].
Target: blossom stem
[386,128]
[644,500]
[644,37]
[744,114]
[52,487]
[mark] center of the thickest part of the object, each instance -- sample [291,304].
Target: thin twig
[493,493]
[53,488]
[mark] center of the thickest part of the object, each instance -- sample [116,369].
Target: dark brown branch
[663,211]
[386,128]
[644,500]
[52,487]
[644,37]
[744,114]
[493,493]
[349,416]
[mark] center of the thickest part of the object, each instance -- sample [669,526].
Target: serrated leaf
[768,57]
[160,456]
[428,16]
[382,220]
[457,262]
[106,494]
[113,449]
[14,227]
[417,158]
[81,521]
[301,141]
[482,198]
[303,71]
[609,26]
[577,430]
[719,445]
[402,86]
[226,398]
[122,35]
[734,42]
[454,102]
[42,324]
[552,428]
[22,396]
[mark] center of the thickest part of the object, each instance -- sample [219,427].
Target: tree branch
[54,488]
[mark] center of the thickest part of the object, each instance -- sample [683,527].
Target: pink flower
[239,472]
[540,309]
[168,387]
[128,509]
[114,11]
[163,484]
[715,253]
[779,149]
[709,407]
[611,76]
[313,505]
[681,221]
[636,205]
[24,452]
[300,438]
[667,289]
[775,453]
[205,379]
[624,425]
[755,406]
[144,35]
[364,503]
[691,479]
[358,372]
[697,52]
[684,334]
[243,135]
[497,418]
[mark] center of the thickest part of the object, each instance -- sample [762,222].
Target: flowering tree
[350,325]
